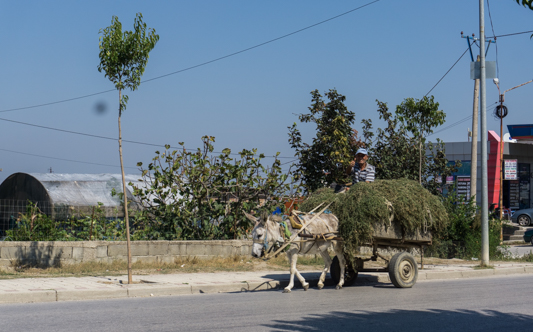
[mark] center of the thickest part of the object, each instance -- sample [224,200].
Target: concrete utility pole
[473,158]
[484,138]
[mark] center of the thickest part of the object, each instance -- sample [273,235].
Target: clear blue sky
[388,50]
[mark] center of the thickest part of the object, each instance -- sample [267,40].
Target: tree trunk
[126,219]
[420,163]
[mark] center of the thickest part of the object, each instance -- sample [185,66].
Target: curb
[162,289]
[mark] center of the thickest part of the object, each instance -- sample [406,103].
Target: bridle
[267,248]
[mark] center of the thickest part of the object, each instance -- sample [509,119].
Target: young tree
[325,160]
[123,58]
[396,154]
[420,117]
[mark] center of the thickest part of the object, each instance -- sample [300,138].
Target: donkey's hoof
[338,287]
[306,287]
[320,286]
[286,290]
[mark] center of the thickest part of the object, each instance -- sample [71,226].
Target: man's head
[361,156]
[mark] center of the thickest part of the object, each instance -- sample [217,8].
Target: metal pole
[501,171]
[501,162]
[475,125]
[484,138]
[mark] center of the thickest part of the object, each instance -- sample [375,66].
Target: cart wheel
[349,273]
[403,270]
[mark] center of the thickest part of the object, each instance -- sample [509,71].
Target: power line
[454,124]
[451,125]
[114,139]
[203,63]
[492,27]
[447,71]
[61,159]
[56,102]
[512,34]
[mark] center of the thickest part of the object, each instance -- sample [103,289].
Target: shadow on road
[409,320]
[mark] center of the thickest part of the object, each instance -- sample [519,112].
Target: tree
[325,160]
[420,117]
[194,195]
[526,3]
[123,58]
[396,154]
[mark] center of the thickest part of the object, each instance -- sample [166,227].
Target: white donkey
[268,234]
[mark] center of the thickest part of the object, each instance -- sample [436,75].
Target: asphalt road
[481,304]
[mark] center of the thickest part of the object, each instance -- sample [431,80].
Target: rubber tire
[531,240]
[525,218]
[403,270]
[335,272]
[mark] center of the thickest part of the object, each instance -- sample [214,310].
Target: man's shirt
[368,174]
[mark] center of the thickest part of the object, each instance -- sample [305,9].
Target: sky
[221,85]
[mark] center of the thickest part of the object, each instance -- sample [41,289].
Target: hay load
[367,206]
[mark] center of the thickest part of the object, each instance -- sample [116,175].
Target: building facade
[517,167]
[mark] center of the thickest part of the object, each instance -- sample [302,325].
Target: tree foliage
[324,160]
[420,117]
[195,195]
[526,3]
[124,55]
[395,152]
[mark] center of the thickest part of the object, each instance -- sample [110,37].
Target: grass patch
[483,267]
[179,265]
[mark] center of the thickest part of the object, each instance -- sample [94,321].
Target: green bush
[462,237]
[36,226]
[196,195]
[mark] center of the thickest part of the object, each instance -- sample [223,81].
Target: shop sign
[510,169]
[449,180]
[463,186]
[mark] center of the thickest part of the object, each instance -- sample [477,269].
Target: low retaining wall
[54,253]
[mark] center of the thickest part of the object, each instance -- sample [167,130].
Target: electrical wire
[203,63]
[512,34]
[62,159]
[116,139]
[448,71]
[454,124]
[451,125]
[492,27]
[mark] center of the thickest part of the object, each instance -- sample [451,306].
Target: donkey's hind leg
[327,264]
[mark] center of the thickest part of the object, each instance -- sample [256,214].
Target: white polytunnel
[63,195]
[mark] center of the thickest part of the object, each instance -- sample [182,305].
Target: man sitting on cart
[359,169]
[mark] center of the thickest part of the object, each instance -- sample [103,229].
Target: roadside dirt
[192,265]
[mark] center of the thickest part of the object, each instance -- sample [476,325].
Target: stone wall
[54,253]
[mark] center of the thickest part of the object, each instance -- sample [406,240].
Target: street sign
[510,167]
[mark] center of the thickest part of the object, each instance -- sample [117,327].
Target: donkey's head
[266,233]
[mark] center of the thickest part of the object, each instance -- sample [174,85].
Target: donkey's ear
[251,218]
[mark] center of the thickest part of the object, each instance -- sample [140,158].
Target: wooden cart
[402,267]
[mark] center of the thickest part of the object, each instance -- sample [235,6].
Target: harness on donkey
[289,238]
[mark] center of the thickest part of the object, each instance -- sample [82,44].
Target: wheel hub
[406,271]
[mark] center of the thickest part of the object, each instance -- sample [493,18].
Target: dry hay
[367,204]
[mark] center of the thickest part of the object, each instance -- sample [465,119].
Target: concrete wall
[54,253]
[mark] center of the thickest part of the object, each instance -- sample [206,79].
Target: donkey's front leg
[292,255]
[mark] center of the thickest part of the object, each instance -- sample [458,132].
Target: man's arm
[350,168]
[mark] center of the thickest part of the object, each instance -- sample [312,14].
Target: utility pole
[473,158]
[484,138]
